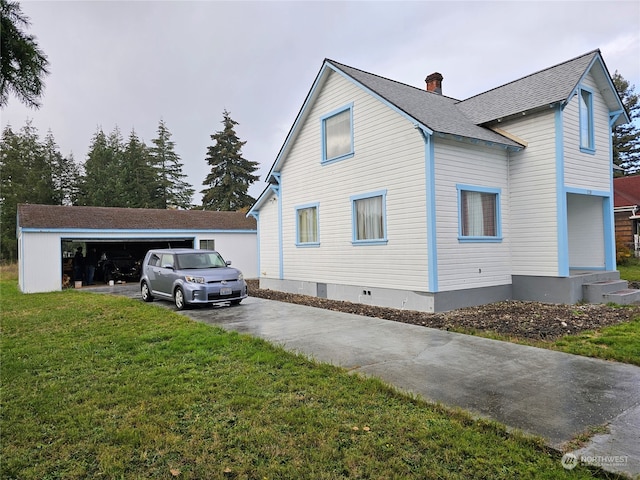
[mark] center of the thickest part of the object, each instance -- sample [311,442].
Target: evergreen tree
[12,178]
[231,174]
[141,186]
[101,184]
[64,171]
[26,176]
[175,192]
[626,137]
[23,65]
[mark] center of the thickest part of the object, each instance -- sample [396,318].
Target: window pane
[585,119]
[478,214]
[338,134]
[369,220]
[308,225]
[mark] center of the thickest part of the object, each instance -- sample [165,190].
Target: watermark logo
[571,460]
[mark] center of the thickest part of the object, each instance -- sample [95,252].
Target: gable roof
[436,112]
[444,116]
[112,218]
[550,86]
[626,191]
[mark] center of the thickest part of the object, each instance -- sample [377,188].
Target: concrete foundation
[576,288]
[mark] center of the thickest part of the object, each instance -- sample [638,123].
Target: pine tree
[65,172]
[23,65]
[101,184]
[231,174]
[26,176]
[140,186]
[626,137]
[175,192]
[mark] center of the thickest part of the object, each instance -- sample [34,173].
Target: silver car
[189,276]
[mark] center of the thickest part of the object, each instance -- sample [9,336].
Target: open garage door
[106,259]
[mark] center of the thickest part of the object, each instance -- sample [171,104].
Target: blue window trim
[354,227]
[590,148]
[480,239]
[323,120]
[308,244]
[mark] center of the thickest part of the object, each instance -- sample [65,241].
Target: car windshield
[200,260]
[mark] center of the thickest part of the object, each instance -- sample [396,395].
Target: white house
[398,196]
[48,235]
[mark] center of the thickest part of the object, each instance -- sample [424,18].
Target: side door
[165,274]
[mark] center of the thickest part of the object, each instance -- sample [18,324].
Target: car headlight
[240,276]
[191,279]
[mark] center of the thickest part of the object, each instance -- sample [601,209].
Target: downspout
[277,190]
[607,206]
[430,194]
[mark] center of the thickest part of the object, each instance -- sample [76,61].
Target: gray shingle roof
[106,218]
[437,112]
[539,89]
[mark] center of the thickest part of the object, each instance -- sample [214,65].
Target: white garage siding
[388,153]
[41,268]
[533,196]
[463,265]
[40,251]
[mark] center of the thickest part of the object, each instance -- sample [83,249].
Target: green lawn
[96,386]
[630,271]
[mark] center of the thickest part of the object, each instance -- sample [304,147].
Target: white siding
[586,231]
[239,248]
[585,170]
[533,200]
[460,264]
[389,155]
[268,228]
[39,262]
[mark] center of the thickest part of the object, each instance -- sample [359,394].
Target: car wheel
[146,292]
[178,298]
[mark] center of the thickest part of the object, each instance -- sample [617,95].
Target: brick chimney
[434,83]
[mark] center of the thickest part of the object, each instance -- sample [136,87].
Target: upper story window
[307,226]
[369,218]
[479,214]
[585,97]
[337,134]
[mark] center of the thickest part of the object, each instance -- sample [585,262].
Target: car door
[165,274]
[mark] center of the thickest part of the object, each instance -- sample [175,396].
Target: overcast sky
[133,63]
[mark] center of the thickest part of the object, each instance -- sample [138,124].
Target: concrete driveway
[550,394]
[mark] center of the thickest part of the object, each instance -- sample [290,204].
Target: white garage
[50,235]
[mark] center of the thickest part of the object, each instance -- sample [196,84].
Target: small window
[337,135]
[207,244]
[307,225]
[369,218]
[479,214]
[586,121]
[154,260]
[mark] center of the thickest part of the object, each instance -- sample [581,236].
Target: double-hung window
[307,226]
[369,218]
[585,99]
[337,134]
[479,214]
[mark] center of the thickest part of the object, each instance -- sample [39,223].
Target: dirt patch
[525,320]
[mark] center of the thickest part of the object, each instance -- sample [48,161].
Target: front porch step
[623,297]
[594,292]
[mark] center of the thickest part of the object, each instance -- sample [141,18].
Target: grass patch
[630,270]
[618,342]
[100,386]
